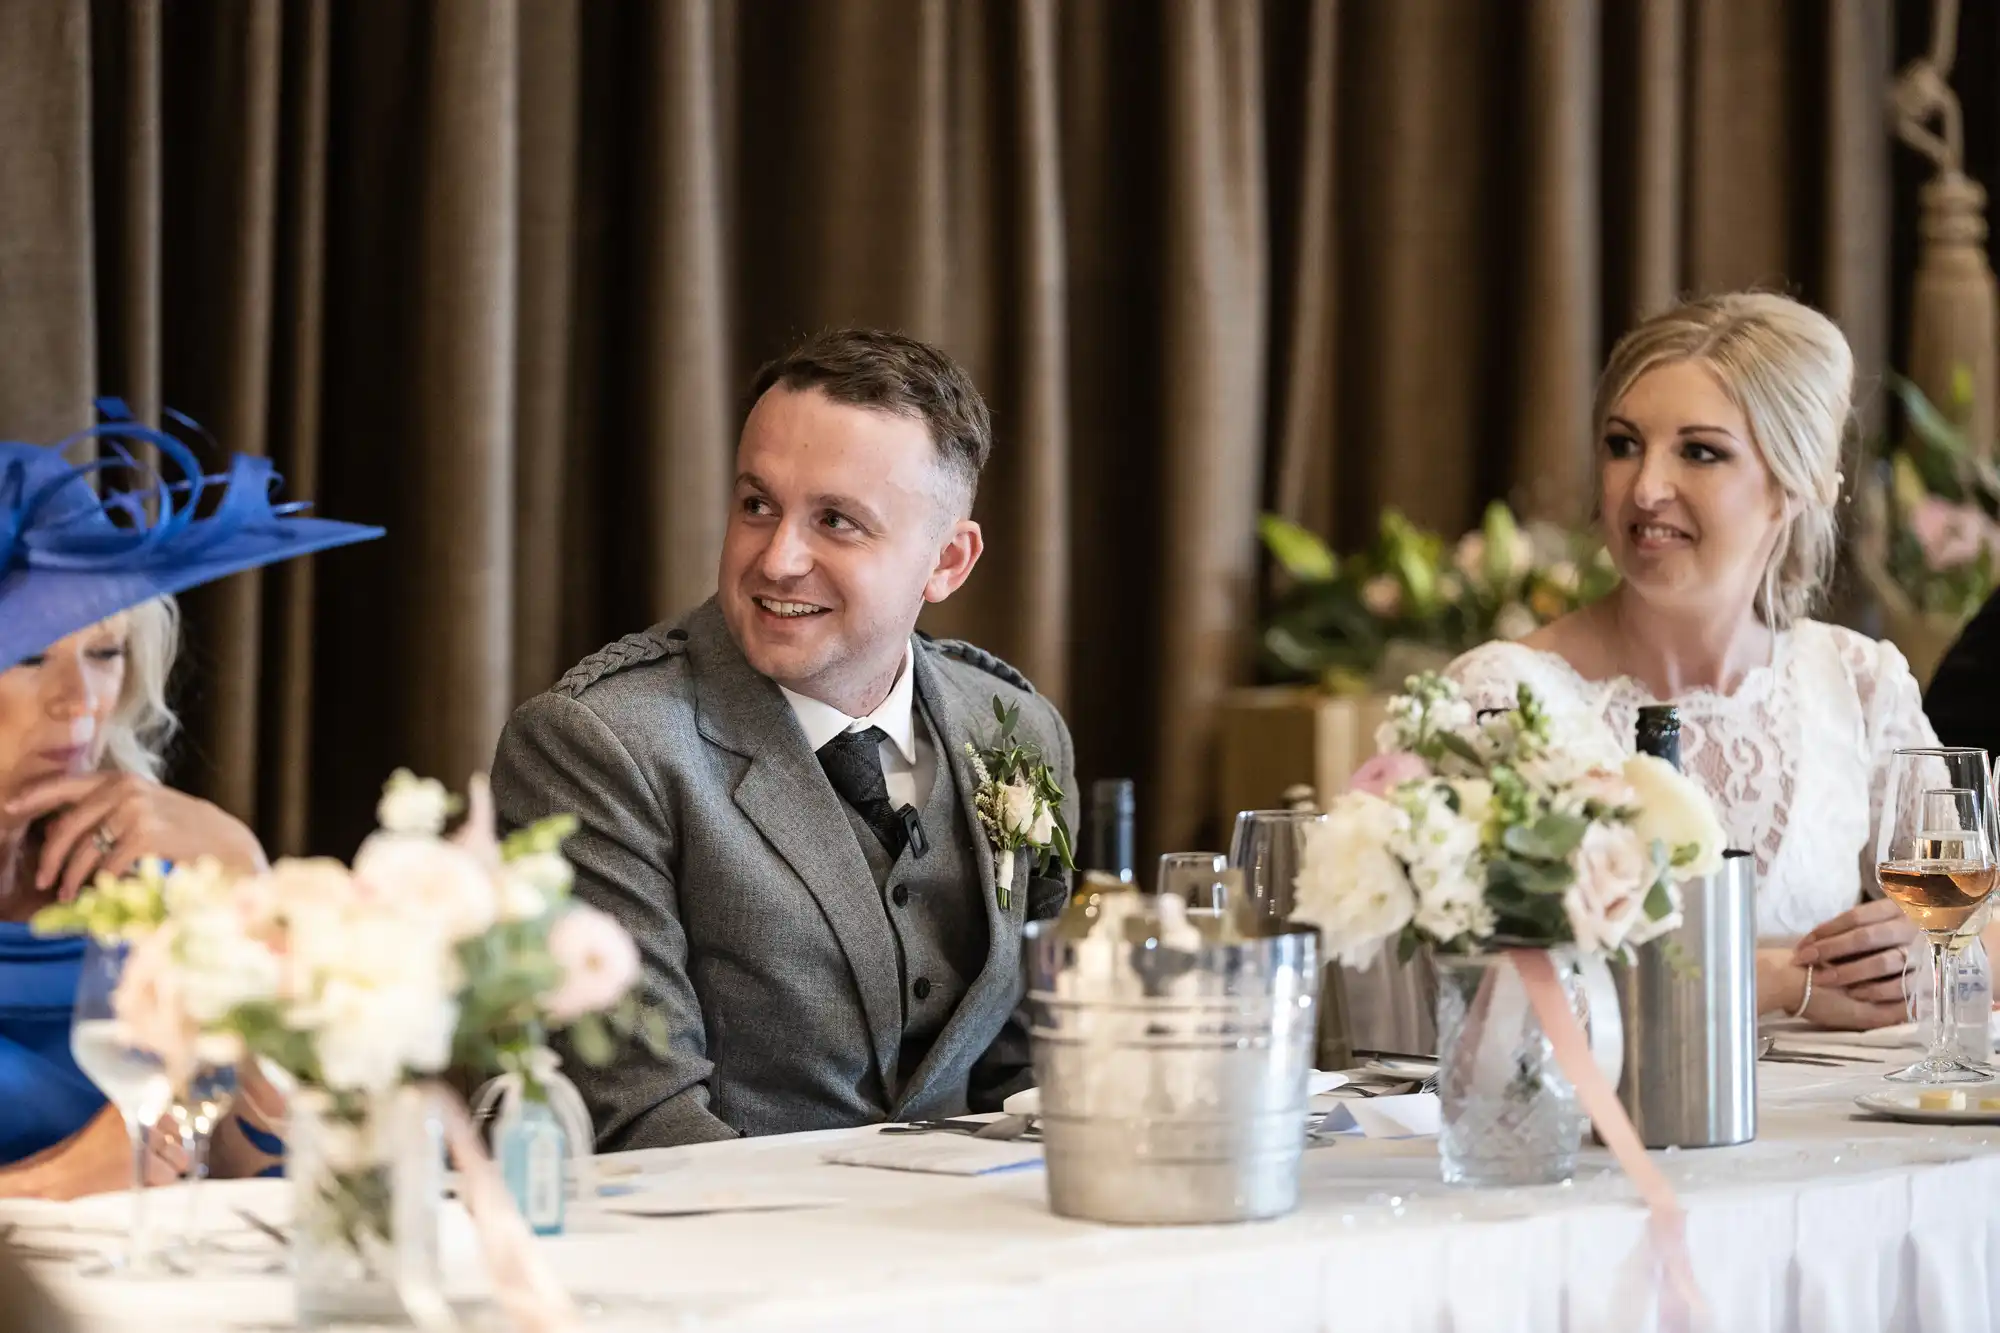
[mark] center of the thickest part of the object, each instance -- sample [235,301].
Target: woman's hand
[1781,984]
[109,822]
[97,1159]
[1864,950]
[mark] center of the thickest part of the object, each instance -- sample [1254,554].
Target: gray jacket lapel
[786,796]
[961,720]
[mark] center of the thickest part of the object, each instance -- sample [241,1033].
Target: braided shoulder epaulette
[973,655]
[630,651]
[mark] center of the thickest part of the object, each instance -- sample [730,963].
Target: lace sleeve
[1893,710]
[1491,676]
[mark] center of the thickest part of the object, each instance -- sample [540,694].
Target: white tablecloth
[1828,1223]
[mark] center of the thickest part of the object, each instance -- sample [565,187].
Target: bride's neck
[1674,652]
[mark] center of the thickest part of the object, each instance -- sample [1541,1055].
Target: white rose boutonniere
[1020,803]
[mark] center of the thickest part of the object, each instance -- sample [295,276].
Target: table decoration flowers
[360,986]
[1519,847]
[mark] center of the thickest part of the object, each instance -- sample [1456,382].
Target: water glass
[1196,877]
[1269,848]
[133,1079]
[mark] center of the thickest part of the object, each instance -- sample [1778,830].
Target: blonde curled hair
[143,722]
[1789,370]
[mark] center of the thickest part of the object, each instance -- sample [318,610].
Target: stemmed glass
[1269,848]
[1935,858]
[133,1079]
[199,1110]
[1196,877]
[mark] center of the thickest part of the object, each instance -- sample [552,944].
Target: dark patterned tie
[853,764]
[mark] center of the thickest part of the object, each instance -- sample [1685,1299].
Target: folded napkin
[1900,1035]
[1029,1100]
[939,1154]
[1412,1115]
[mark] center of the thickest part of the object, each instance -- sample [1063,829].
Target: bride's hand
[1863,950]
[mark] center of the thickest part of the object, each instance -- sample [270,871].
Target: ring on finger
[103,839]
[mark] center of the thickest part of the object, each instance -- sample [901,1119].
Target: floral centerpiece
[1362,622]
[1929,544]
[1474,835]
[431,953]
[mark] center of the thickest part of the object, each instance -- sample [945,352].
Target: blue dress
[44,1097]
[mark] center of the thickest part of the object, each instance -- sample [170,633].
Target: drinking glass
[132,1079]
[199,1110]
[1269,848]
[1935,858]
[1196,877]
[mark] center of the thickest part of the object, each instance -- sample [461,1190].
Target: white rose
[1677,813]
[368,1037]
[1044,831]
[1350,885]
[411,804]
[1614,871]
[433,879]
[1019,815]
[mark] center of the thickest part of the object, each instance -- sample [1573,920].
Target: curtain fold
[495,275]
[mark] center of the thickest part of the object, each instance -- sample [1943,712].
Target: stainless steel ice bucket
[1689,1004]
[1172,1081]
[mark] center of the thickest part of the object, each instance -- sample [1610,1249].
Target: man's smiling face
[842,525]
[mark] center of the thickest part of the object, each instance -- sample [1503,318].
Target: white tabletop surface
[1829,1221]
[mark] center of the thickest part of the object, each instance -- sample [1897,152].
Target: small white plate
[1903,1106]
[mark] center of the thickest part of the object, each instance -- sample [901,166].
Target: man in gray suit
[775,793]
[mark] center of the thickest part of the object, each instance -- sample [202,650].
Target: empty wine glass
[1269,848]
[199,1111]
[1935,858]
[1195,877]
[133,1079]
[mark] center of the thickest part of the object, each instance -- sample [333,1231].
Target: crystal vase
[367,1177]
[1509,1114]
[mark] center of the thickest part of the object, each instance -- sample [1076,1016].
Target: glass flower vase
[1509,1115]
[367,1178]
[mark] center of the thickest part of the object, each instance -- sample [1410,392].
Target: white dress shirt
[908,766]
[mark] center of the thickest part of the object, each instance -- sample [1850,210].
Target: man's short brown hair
[888,372]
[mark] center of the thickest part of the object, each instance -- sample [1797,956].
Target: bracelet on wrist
[1805,999]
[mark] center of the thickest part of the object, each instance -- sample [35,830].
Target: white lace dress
[1795,758]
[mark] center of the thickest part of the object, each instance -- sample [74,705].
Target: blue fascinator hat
[70,557]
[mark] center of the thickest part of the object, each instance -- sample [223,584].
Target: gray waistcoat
[931,904]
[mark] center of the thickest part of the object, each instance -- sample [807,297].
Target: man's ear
[957,554]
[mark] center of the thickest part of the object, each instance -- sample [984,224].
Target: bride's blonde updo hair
[1789,370]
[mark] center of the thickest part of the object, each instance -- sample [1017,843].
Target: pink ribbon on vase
[1600,1101]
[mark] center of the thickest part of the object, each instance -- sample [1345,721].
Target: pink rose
[599,963]
[1388,771]
[1950,534]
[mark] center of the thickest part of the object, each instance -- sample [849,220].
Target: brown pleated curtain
[492,273]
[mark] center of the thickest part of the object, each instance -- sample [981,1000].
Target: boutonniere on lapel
[1019,801]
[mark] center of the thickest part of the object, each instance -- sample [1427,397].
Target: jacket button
[922,988]
[900,895]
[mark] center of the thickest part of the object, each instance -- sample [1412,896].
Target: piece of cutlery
[261,1225]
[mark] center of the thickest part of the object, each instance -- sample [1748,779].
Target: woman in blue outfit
[88,632]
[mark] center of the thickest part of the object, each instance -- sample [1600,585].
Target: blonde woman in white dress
[1719,427]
